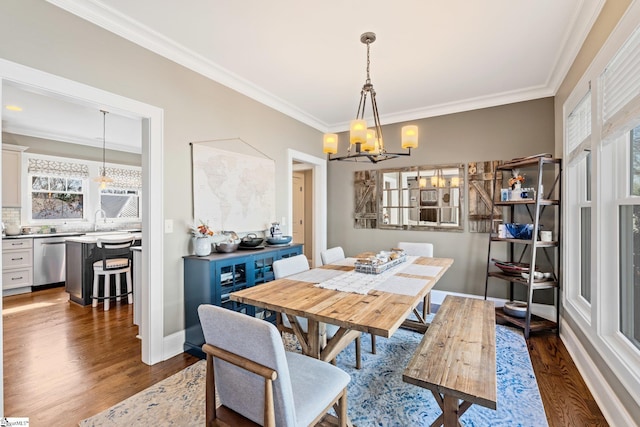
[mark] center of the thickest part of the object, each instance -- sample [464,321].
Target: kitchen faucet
[95,218]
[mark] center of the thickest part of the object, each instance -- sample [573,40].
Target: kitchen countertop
[74,233]
[41,235]
[93,237]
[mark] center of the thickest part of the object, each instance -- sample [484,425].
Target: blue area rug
[377,395]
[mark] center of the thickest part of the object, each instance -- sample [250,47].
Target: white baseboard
[173,344]
[609,404]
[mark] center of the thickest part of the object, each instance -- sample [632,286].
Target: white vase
[202,246]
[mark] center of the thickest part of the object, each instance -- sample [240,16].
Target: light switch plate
[168,226]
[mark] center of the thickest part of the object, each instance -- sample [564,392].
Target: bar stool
[115,261]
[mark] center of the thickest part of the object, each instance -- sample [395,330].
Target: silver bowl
[226,247]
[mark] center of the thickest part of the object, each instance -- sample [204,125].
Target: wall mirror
[421,197]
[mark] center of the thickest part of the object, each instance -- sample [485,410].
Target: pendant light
[103,179]
[368,142]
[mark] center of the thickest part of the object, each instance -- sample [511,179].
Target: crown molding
[120,24]
[71,139]
[131,30]
[494,100]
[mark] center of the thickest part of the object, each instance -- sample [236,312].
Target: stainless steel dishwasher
[48,260]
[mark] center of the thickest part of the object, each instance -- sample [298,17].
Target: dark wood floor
[64,363]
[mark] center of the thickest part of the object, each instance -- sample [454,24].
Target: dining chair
[332,255]
[335,254]
[293,265]
[420,249]
[254,376]
[115,260]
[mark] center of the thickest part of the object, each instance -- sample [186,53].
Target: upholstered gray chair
[332,255]
[425,250]
[255,377]
[297,264]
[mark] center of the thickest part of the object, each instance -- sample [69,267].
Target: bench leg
[452,410]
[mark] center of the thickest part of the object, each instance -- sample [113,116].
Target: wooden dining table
[378,312]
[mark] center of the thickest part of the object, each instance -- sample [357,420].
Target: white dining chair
[252,374]
[420,249]
[331,255]
[297,264]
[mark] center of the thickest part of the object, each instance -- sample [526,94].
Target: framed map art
[234,187]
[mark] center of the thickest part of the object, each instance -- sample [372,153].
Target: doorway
[152,310]
[314,220]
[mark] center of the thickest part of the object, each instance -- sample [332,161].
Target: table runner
[395,280]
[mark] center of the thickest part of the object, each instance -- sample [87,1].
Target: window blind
[124,178]
[579,124]
[56,168]
[621,90]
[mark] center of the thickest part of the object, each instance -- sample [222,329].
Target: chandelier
[364,142]
[103,179]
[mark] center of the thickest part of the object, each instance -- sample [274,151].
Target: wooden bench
[456,359]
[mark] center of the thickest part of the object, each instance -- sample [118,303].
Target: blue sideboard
[210,280]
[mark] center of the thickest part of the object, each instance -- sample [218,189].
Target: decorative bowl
[226,247]
[13,230]
[515,308]
[250,241]
[512,268]
[279,241]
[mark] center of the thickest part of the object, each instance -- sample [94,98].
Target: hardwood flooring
[64,363]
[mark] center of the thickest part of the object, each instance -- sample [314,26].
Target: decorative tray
[370,266]
[511,268]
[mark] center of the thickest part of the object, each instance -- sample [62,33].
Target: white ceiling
[306,60]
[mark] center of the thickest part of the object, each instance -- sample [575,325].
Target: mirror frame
[429,192]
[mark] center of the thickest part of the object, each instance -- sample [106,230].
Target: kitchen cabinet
[17,266]
[528,252]
[137,284]
[210,280]
[11,180]
[80,254]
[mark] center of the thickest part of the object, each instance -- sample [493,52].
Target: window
[56,197]
[578,145]
[630,248]
[120,203]
[121,199]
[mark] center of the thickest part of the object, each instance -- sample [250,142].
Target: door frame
[318,198]
[152,307]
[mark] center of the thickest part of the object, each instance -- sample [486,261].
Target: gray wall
[40,35]
[498,133]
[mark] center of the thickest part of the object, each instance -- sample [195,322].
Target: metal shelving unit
[533,251]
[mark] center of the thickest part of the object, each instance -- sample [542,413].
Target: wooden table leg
[450,411]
